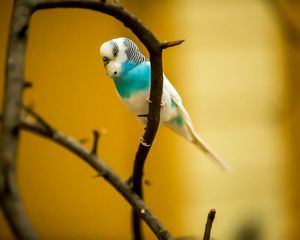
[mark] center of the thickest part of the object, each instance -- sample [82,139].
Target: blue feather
[133,78]
[177,120]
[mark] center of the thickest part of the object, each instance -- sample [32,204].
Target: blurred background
[238,75]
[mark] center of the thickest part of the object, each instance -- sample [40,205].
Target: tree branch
[10,202]
[101,168]
[39,119]
[168,44]
[210,219]
[95,142]
[287,16]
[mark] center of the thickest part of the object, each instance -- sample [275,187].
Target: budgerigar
[131,73]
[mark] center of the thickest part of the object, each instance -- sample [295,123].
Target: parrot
[131,72]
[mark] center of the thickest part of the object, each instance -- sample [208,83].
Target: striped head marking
[133,53]
[116,52]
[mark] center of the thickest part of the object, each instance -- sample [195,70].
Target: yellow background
[232,74]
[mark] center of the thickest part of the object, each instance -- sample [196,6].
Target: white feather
[189,132]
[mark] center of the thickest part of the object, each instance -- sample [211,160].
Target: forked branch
[74,146]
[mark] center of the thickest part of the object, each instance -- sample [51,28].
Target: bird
[131,72]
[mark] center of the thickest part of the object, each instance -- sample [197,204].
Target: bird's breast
[138,104]
[133,80]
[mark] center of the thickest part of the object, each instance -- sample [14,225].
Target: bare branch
[168,44]
[287,16]
[27,84]
[210,219]
[83,140]
[95,143]
[102,170]
[39,119]
[143,115]
[10,201]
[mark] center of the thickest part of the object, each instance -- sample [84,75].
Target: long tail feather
[199,142]
[196,139]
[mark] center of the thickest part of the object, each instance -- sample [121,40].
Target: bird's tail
[199,143]
[202,145]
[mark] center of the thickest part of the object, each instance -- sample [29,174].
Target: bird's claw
[143,142]
[148,99]
[162,103]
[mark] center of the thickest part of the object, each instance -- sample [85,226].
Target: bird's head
[120,55]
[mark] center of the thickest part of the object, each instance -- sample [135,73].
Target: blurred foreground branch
[288,13]
[10,201]
[210,219]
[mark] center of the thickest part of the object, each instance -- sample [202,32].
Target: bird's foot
[148,99]
[143,142]
[162,103]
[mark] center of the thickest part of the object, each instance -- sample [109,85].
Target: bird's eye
[105,59]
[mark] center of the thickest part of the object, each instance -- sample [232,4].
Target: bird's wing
[196,139]
[168,86]
[177,100]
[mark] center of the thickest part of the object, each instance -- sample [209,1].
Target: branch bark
[11,204]
[101,168]
[96,135]
[210,219]
[288,17]
[151,128]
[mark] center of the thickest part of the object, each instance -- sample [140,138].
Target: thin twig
[83,140]
[95,142]
[143,115]
[210,219]
[168,44]
[39,119]
[27,84]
